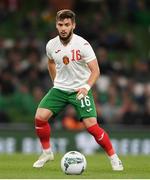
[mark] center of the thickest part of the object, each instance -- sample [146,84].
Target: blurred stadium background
[119,31]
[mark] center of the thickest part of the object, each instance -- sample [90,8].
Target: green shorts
[56,99]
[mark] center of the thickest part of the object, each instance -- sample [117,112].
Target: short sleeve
[48,52]
[87,52]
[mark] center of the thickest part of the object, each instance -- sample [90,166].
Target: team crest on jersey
[65,60]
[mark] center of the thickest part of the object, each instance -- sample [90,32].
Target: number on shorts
[85,101]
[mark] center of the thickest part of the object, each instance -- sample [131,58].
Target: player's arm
[52,69]
[95,72]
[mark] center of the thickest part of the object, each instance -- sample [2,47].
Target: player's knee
[41,118]
[43,114]
[89,122]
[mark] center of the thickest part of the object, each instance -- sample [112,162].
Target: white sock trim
[113,156]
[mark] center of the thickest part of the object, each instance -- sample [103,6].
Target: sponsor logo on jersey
[65,60]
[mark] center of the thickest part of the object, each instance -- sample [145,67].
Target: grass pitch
[19,166]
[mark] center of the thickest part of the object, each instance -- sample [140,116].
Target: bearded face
[65,37]
[65,29]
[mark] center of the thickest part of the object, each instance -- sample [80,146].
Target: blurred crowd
[122,93]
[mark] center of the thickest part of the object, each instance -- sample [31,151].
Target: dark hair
[65,14]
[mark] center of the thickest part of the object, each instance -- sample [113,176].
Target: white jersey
[71,61]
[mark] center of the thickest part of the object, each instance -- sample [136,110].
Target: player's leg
[103,140]
[99,134]
[43,131]
[87,112]
[50,105]
[42,126]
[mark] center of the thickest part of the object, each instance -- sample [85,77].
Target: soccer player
[73,68]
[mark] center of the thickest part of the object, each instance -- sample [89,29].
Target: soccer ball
[73,163]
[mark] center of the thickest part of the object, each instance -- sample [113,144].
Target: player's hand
[82,92]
